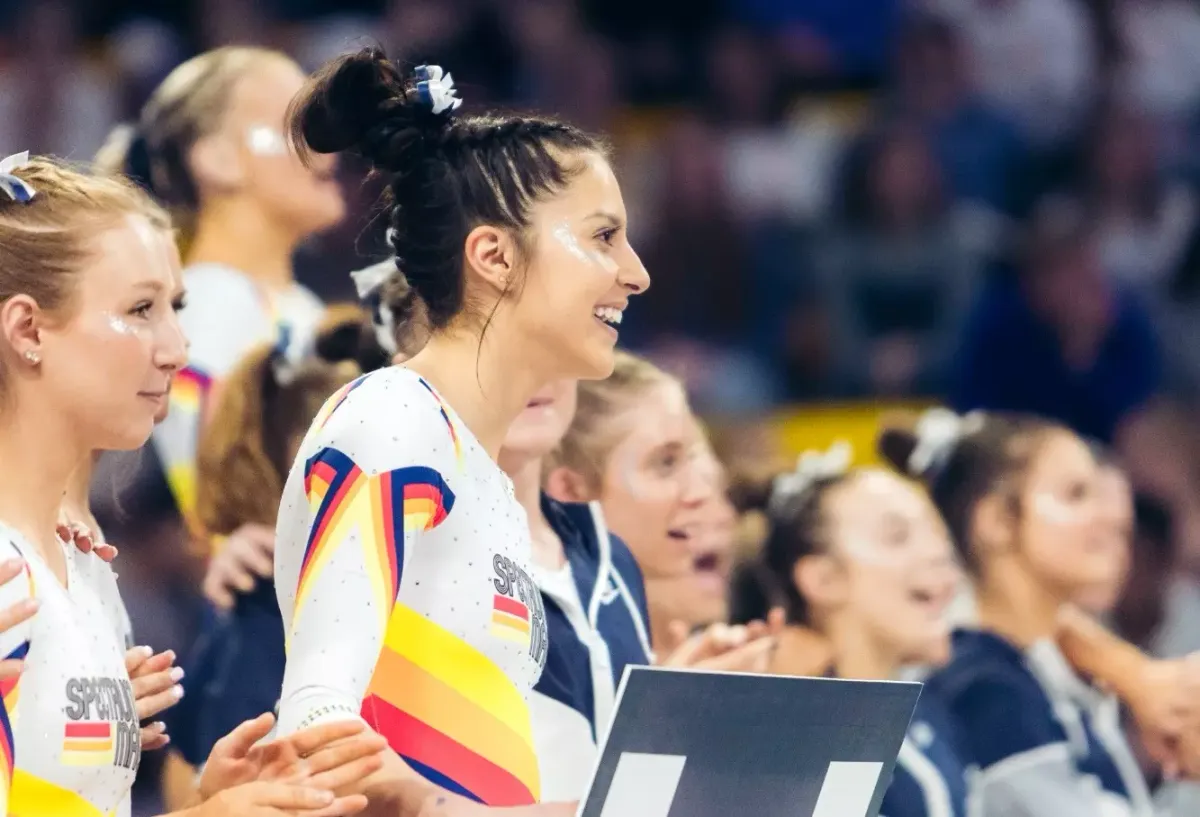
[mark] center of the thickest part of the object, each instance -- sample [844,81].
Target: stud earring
[33,357]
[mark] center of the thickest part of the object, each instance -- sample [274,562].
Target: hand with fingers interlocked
[156,688]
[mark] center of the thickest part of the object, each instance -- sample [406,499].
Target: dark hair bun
[360,102]
[346,334]
[896,443]
[748,493]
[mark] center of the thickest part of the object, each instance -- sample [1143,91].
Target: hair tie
[811,468]
[17,189]
[436,89]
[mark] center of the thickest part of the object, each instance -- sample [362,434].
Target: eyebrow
[152,285]
[604,215]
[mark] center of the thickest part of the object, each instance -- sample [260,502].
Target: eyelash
[607,236]
[142,309]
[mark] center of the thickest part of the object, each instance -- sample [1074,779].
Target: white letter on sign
[847,790]
[643,785]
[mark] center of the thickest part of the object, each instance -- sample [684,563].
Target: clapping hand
[738,648]
[329,757]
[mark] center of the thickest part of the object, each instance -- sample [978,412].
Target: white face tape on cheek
[1054,510]
[265,141]
[870,551]
[563,235]
[119,324]
[631,477]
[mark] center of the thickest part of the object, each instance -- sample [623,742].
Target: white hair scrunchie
[811,467]
[436,89]
[937,432]
[11,185]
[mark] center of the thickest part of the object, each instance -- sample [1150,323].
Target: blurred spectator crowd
[990,203]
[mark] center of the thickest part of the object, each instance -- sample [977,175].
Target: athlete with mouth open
[862,558]
[593,594]
[1021,498]
[701,597]
[635,447]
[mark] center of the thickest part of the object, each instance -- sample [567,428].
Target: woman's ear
[993,525]
[20,320]
[567,485]
[216,164]
[491,255]
[821,580]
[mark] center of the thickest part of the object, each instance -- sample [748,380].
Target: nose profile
[170,352]
[633,275]
[699,482]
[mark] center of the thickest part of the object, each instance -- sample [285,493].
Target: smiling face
[893,572]
[1115,506]
[1064,541]
[700,596]
[109,362]
[647,486]
[581,272]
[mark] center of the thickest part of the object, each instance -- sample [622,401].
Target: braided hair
[446,174]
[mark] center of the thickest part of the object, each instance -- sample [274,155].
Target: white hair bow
[436,88]
[811,467]
[369,282]
[17,189]
[937,432]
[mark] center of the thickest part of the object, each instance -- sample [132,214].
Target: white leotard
[70,738]
[402,568]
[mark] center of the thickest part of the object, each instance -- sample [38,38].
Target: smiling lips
[609,315]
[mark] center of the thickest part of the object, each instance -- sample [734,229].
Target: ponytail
[237,483]
[263,409]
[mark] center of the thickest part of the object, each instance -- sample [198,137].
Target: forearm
[1098,653]
[397,791]
[179,782]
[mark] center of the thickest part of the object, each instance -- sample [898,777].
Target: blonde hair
[187,106]
[47,241]
[589,441]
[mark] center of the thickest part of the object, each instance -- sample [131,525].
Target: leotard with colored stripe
[227,316]
[69,736]
[402,569]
